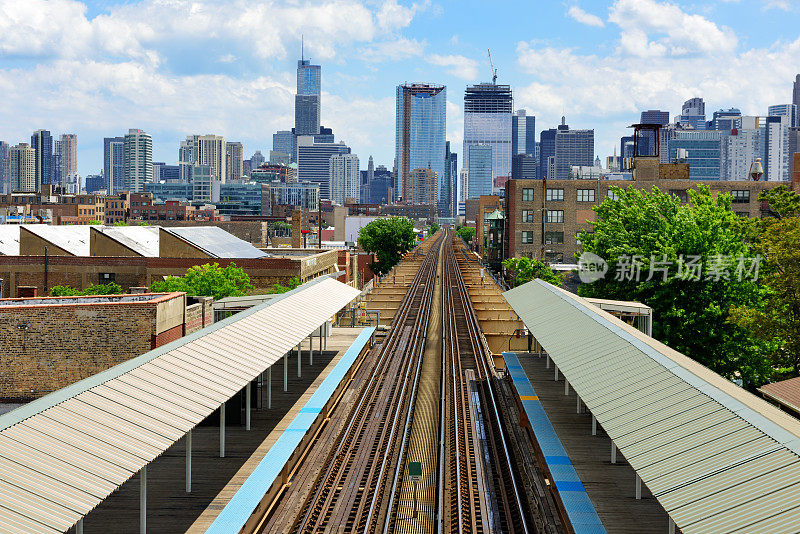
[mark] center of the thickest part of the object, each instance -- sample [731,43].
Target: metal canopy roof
[216,242]
[716,457]
[73,239]
[61,455]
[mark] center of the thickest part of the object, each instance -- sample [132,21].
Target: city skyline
[579,60]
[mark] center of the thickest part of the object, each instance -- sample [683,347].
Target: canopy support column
[143,500]
[222,430]
[248,406]
[189,461]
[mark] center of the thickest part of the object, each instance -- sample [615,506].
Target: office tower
[137,166]
[42,144]
[448,202]
[307,107]
[205,186]
[422,187]
[157,167]
[420,130]
[257,160]
[693,114]
[796,92]
[776,148]
[55,164]
[785,110]
[202,150]
[726,120]
[366,182]
[279,158]
[741,148]
[487,121]
[313,161]
[95,183]
[479,165]
[343,178]
[626,146]
[523,166]
[234,156]
[547,149]
[654,116]
[113,155]
[5,168]
[284,141]
[69,155]
[22,171]
[523,133]
[382,186]
[703,152]
[571,147]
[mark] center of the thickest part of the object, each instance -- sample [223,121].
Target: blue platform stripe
[580,510]
[233,517]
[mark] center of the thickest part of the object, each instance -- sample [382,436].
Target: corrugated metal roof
[73,238]
[718,458]
[785,392]
[9,238]
[141,239]
[61,455]
[216,242]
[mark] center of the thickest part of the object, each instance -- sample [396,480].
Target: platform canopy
[716,457]
[61,455]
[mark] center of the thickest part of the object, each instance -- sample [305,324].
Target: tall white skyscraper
[488,122]
[741,148]
[137,166]
[23,168]
[344,178]
[203,150]
[776,157]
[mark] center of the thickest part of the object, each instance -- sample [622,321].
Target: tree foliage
[526,269]
[280,288]
[467,233]
[96,289]
[208,280]
[776,319]
[691,316]
[389,238]
[433,228]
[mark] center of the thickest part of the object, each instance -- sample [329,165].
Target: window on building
[106,278]
[555,216]
[527,238]
[680,193]
[527,216]
[585,195]
[741,197]
[527,194]
[555,194]
[554,238]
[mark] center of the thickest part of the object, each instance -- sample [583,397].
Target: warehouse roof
[61,455]
[143,240]
[73,239]
[716,457]
[786,393]
[216,242]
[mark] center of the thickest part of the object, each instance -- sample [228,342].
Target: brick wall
[199,315]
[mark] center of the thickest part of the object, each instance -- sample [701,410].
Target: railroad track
[346,490]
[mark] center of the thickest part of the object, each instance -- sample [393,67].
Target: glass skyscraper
[307,100]
[487,121]
[703,152]
[420,131]
[523,133]
[480,163]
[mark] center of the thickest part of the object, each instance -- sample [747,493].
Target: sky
[180,67]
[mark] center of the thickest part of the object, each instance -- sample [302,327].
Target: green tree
[208,280]
[776,319]
[433,228]
[96,289]
[389,238]
[120,223]
[654,235]
[293,283]
[526,269]
[467,233]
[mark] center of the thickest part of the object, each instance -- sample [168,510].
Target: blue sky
[178,67]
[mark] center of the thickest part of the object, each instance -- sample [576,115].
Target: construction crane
[491,66]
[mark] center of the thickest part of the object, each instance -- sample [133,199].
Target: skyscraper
[487,121]
[796,92]
[307,105]
[447,202]
[256,160]
[137,165]
[343,178]
[233,161]
[776,148]
[69,155]
[523,133]
[22,168]
[547,149]
[42,144]
[479,167]
[5,168]
[741,148]
[569,147]
[113,160]
[422,187]
[420,130]
[654,116]
[284,141]
[726,119]
[647,139]
[206,149]
[785,110]
[313,161]
[703,152]
[693,114]
[367,176]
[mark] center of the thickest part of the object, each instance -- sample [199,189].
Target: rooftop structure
[212,241]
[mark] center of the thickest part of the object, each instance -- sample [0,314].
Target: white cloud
[673,31]
[393,50]
[456,65]
[585,18]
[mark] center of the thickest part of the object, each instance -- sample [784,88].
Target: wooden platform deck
[610,486]
[214,480]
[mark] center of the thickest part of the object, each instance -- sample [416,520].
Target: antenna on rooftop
[491,66]
[302,48]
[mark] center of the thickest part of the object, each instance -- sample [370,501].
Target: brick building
[543,217]
[49,343]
